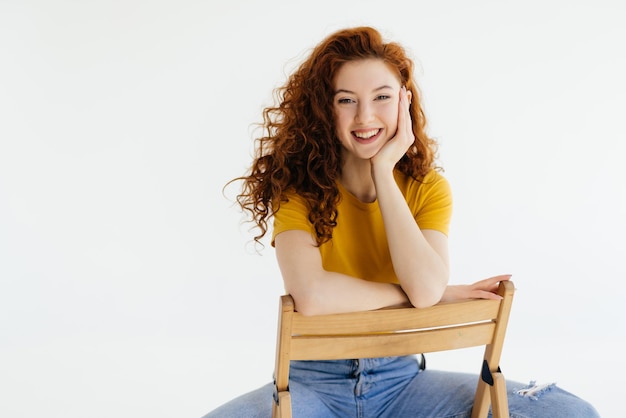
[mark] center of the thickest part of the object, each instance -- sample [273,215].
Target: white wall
[124,271]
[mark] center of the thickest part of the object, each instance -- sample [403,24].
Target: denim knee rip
[533,390]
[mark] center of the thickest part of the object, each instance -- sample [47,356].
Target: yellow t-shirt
[359,246]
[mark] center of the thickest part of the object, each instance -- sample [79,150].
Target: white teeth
[367,134]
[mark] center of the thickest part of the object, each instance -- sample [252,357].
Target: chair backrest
[397,332]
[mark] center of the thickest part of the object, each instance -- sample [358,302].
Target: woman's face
[365,106]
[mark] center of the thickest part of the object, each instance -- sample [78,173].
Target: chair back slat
[390,344]
[388,320]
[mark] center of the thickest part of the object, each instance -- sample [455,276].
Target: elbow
[302,304]
[305,300]
[306,305]
[308,293]
[426,296]
[425,300]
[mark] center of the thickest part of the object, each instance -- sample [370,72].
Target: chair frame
[397,332]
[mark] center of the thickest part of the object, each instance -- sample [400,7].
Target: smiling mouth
[366,136]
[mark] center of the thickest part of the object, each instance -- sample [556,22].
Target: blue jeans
[394,387]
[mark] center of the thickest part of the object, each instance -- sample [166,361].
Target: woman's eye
[345,101]
[383,97]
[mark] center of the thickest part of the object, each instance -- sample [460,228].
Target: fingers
[404,116]
[403,138]
[502,277]
[482,294]
[487,288]
[492,281]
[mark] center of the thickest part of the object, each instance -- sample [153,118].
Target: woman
[361,215]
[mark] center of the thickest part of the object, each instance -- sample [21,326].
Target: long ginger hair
[298,152]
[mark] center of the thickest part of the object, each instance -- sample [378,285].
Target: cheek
[342,118]
[390,116]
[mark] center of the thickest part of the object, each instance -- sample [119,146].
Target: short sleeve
[431,202]
[293,214]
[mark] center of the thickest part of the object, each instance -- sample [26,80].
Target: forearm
[330,292]
[421,270]
[317,291]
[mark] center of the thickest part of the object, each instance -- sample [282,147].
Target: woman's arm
[317,291]
[420,258]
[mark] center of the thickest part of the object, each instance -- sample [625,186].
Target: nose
[364,113]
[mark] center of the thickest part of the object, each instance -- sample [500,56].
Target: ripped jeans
[395,387]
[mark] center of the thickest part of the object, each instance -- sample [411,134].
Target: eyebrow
[351,92]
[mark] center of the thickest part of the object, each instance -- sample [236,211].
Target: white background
[128,287]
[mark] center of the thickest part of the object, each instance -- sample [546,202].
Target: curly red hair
[298,151]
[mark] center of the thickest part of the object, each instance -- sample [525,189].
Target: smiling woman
[366,106]
[361,217]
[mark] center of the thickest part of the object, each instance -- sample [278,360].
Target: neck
[356,177]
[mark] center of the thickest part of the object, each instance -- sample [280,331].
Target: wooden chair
[397,332]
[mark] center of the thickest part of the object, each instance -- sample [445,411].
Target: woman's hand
[396,147]
[484,289]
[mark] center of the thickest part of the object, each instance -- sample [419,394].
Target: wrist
[382,173]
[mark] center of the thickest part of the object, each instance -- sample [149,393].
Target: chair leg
[499,400]
[482,400]
[282,408]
